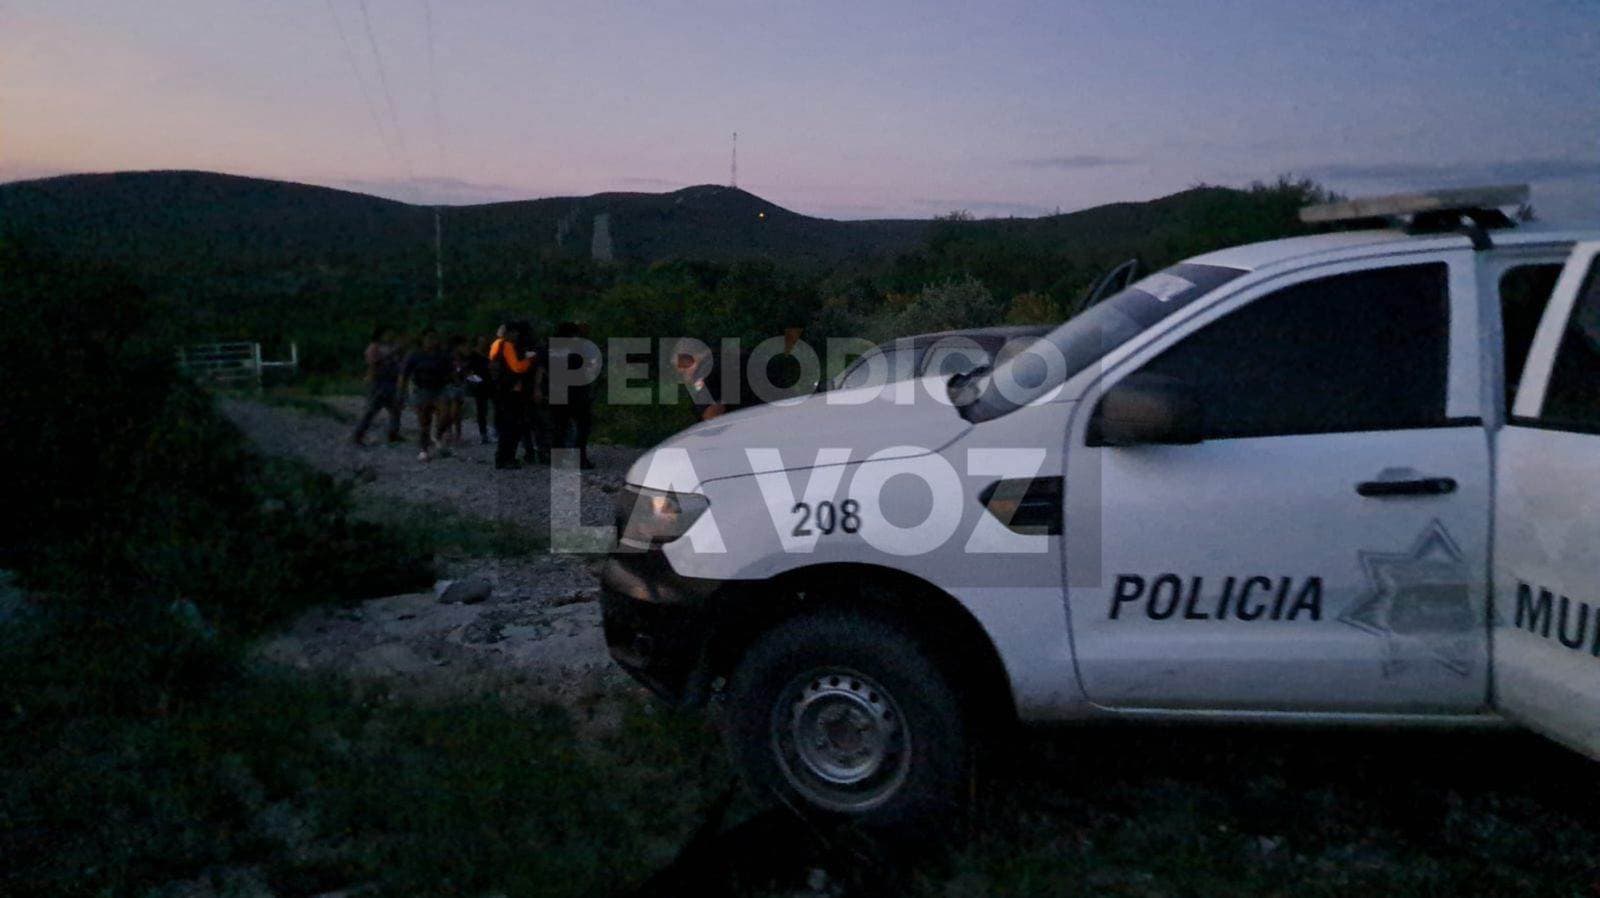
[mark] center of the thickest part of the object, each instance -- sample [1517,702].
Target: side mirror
[1147,409]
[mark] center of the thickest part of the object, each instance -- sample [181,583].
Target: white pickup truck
[1345,478]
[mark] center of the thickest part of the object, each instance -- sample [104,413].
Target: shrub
[953,304]
[149,530]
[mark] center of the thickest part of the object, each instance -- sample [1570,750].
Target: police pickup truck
[1344,478]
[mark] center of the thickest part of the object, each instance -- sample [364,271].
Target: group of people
[541,390]
[510,373]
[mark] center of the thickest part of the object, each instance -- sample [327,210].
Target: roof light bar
[1462,200]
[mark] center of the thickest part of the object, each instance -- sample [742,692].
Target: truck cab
[1342,478]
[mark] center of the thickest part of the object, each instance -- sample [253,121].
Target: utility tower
[438,258]
[733,170]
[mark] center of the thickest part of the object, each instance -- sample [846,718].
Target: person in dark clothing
[427,371]
[476,382]
[383,394]
[536,433]
[510,366]
[455,393]
[573,364]
[713,392]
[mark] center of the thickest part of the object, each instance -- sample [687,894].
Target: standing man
[383,394]
[428,371]
[509,368]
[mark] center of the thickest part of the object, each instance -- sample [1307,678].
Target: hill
[135,217]
[247,257]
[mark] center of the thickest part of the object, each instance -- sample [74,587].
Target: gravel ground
[466,481]
[539,631]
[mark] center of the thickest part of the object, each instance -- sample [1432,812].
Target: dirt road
[537,633]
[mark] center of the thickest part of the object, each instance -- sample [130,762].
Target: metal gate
[232,365]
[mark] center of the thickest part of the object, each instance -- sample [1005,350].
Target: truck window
[878,367]
[1367,350]
[1524,292]
[1572,400]
[954,355]
[1086,337]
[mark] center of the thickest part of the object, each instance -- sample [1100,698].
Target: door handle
[1416,486]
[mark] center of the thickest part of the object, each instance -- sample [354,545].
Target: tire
[846,715]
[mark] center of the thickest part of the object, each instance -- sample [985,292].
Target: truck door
[1546,637]
[1324,546]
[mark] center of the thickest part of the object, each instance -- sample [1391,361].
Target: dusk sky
[844,109]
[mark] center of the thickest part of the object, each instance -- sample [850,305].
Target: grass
[443,530]
[307,786]
[1152,811]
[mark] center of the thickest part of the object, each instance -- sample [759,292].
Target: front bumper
[657,623]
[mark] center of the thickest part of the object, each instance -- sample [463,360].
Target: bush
[953,304]
[151,532]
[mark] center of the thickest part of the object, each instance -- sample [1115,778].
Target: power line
[438,142]
[388,96]
[433,89]
[366,92]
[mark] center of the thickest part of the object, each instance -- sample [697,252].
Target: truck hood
[850,425]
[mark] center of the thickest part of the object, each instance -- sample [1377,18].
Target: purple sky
[847,110]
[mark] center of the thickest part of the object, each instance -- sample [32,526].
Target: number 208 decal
[827,517]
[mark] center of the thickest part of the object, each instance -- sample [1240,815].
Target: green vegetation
[1254,811]
[138,748]
[309,786]
[225,257]
[442,530]
[233,257]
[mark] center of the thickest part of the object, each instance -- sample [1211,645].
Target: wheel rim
[840,739]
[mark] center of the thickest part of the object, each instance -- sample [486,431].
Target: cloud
[1425,174]
[1085,160]
[434,191]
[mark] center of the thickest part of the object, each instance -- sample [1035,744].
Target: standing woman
[455,392]
[477,385]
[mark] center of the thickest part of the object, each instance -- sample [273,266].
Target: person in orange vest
[511,370]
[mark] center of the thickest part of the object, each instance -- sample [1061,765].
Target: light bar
[1463,199]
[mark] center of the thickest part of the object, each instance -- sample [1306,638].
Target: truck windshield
[1085,338]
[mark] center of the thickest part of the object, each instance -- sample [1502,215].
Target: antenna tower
[733,171]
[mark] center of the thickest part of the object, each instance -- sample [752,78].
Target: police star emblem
[1420,602]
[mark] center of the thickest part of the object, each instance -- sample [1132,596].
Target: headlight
[647,517]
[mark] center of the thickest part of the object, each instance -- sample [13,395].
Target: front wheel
[847,715]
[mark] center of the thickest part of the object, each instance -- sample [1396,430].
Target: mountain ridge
[234,255]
